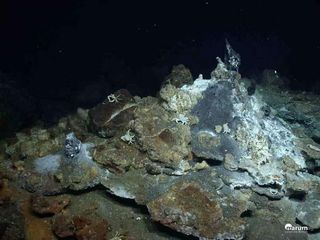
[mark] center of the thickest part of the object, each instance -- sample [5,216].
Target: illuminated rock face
[186,207]
[234,128]
[211,136]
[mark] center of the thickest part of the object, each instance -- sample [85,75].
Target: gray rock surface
[309,211]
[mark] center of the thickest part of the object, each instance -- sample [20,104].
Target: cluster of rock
[207,159]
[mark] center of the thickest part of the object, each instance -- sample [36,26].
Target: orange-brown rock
[49,205]
[79,227]
[63,226]
[188,209]
[35,228]
[110,116]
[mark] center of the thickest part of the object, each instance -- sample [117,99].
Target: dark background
[58,55]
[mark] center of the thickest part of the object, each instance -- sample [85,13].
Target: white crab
[128,137]
[226,128]
[113,98]
[182,119]
[118,236]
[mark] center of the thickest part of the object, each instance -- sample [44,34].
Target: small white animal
[128,137]
[182,119]
[113,98]
[226,128]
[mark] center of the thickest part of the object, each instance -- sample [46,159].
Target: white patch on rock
[52,162]
[241,181]
[199,85]
[265,140]
[120,191]
[84,154]
[315,148]
[183,168]
[48,164]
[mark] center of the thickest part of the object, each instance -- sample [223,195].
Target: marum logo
[290,227]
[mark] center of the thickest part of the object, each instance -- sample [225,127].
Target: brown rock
[80,227]
[8,193]
[18,165]
[47,185]
[33,144]
[49,205]
[63,226]
[108,117]
[119,156]
[90,230]
[34,227]
[1,180]
[179,76]
[12,223]
[159,136]
[188,209]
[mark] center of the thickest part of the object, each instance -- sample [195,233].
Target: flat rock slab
[187,208]
[181,208]
[195,199]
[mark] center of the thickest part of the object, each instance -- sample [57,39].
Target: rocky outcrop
[113,115]
[187,208]
[179,76]
[205,157]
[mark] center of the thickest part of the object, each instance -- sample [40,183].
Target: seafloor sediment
[203,160]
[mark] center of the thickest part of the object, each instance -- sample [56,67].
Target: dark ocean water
[56,57]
